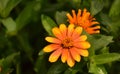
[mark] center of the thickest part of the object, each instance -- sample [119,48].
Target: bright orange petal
[63,29]
[77,32]
[53,40]
[96,27]
[70,18]
[79,13]
[81,38]
[75,55]
[57,33]
[74,16]
[82,45]
[84,53]
[64,55]
[93,30]
[95,23]
[70,30]
[51,47]
[70,60]
[55,55]
[84,11]
[97,31]
[86,16]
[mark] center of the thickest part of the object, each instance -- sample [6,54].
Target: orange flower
[85,20]
[68,44]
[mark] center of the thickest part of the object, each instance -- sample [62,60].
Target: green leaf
[71,71]
[112,27]
[25,16]
[40,65]
[61,17]
[99,41]
[7,5]
[57,68]
[3,4]
[6,63]
[106,58]
[25,45]
[114,11]
[104,50]
[96,6]
[97,69]
[10,25]
[92,67]
[48,24]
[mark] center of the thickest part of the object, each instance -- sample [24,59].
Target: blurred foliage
[25,23]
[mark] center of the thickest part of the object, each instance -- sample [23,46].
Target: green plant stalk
[18,69]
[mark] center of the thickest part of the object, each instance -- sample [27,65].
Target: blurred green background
[25,23]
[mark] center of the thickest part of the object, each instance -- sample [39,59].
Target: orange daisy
[85,20]
[67,43]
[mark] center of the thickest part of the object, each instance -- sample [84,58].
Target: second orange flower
[85,20]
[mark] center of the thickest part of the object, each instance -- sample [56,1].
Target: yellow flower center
[67,43]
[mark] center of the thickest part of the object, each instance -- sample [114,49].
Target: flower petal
[82,52]
[57,33]
[64,55]
[84,12]
[77,32]
[53,40]
[55,55]
[95,23]
[93,30]
[74,16]
[81,38]
[79,13]
[51,47]
[75,55]
[96,27]
[70,30]
[70,60]
[71,20]
[82,45]
[63,29]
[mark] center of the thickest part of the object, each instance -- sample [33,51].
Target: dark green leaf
[71,71]
[96,6]
[40,66]
[10,25]
[110,25]
[57,68]
[7,5]
[99,41]
[48,24]
[6,63]
[114,11]
[104,50]
[3,4]
[61,17]
[25,16]
[25,45]
[106,58]
[97,69]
